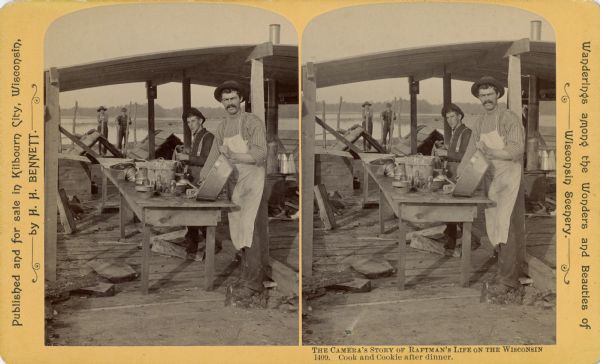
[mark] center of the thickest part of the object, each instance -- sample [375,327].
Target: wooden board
[309,98]
[52,138]
[66,216]
[325,211]
[285,277]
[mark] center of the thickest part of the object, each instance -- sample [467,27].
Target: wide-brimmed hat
[233,85]
[101,108]
[452,107]
[366,103]
[487,80]
[124,109]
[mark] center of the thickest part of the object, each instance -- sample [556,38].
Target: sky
[375,28]
[115,31]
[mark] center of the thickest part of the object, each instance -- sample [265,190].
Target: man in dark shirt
[200,159]
[367,123]
[459,141]
[122,121]
[102,118]
[387,116]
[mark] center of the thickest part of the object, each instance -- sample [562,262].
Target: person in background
[122,121]
[388,117]
[367,122]
[498,133]
[102,127]
[200,158]
[241,138]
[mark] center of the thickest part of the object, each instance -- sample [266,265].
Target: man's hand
[488,152]
[225,150]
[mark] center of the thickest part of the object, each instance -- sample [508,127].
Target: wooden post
[514,84]
[339,114]
[324,131]
[414,91]
[127,130]
[533,108]
[186,97]
[309,98]
[447,101]
[151,95]
[74,122]
[135,125]
[272,113]
[52,138]
[271,117]
[257,89]
[399,119]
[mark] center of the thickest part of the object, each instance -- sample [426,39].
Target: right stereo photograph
[428,176]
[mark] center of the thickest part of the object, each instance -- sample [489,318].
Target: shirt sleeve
[219,134]
[257,142]
[515,136]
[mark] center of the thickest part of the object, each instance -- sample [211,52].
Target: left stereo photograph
[171,181]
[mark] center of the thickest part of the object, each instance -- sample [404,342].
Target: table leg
[466,254]
[209,268]
[401,250]
[122,207]
[146,257]
[381,212]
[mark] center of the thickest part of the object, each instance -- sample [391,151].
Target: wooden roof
[204,66]
[466,62]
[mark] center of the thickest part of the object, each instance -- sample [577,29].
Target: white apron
[503,190]
[249,180]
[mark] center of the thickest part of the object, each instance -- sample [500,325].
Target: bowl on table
[400,184]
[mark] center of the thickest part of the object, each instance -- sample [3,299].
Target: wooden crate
[335,172]
[75,178]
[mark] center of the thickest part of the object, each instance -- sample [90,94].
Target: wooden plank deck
[178,311]
[434,309]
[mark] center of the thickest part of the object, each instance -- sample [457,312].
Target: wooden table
[426,207]
[164,211]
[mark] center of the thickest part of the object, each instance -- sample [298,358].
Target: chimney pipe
[536,30]
[274,30]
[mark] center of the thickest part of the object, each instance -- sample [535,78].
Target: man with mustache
[498,133]
[241,138]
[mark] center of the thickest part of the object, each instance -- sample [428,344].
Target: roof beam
[518,47]
[261,51]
